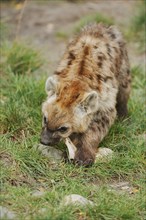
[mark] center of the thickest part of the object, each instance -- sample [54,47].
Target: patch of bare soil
[39,22]
[6,159]
[18,178]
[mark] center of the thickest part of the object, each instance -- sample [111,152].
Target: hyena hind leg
[122,101]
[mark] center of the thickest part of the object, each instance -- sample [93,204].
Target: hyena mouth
[49,142]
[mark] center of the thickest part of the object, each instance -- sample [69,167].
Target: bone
[71,148]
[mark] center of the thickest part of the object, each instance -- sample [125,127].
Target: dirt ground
[39,22]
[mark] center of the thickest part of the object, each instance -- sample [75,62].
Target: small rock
[123,187]
[42,210]
[104,153]
[54,154]
[75,199]
[120,185]
[142,137]
[37,193]
[6,214]
[49,28]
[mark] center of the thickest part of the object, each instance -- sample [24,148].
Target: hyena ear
[90,102]
[51,85]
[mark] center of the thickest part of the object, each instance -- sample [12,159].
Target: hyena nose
[46,138]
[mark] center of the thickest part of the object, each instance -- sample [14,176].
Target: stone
[37,193]
[103,154]
[54,154]
[77,200]
[5,213]
[123,187]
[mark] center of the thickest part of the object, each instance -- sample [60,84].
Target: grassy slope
[25,170]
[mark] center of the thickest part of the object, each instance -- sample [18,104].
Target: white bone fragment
[71,148]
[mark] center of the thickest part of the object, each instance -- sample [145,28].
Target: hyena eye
[62,129]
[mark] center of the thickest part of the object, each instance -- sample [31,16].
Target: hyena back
[88,90]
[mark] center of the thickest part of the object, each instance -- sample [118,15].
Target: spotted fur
[90,87]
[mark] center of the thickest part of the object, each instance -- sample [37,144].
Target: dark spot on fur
[83,44]
[122,52]
[109,51]
[108,48]
[97,113]
[97,120]
[65,88]
[93,129]
[71,58]
[102,123]
[62,73]
[98,77]
[125,85]
[106,120]
[128,71]
[81,68]
[108,78]
[99,80]
[121,45]
[129,80]
[86,51]
[82,63]
[101,57]
[112,69]
[57,73]
[69,62]
[99,64]
[75,96]
[95,47]
[111,110]
[113,36]
[90,77]
[116,49]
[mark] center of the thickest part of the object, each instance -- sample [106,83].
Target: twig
[20,19]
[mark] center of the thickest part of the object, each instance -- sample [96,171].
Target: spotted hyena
[88,90]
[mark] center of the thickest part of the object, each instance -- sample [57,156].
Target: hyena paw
[85,163]
[83,160]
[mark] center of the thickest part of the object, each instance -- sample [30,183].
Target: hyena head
[69,108]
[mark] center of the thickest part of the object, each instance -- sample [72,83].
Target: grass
[61,35]
[138,26]
[97,17]
[24,169]
[21,59]
[3,30]
[85,20]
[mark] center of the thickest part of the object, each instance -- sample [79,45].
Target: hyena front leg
[86,151]
[87,143]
